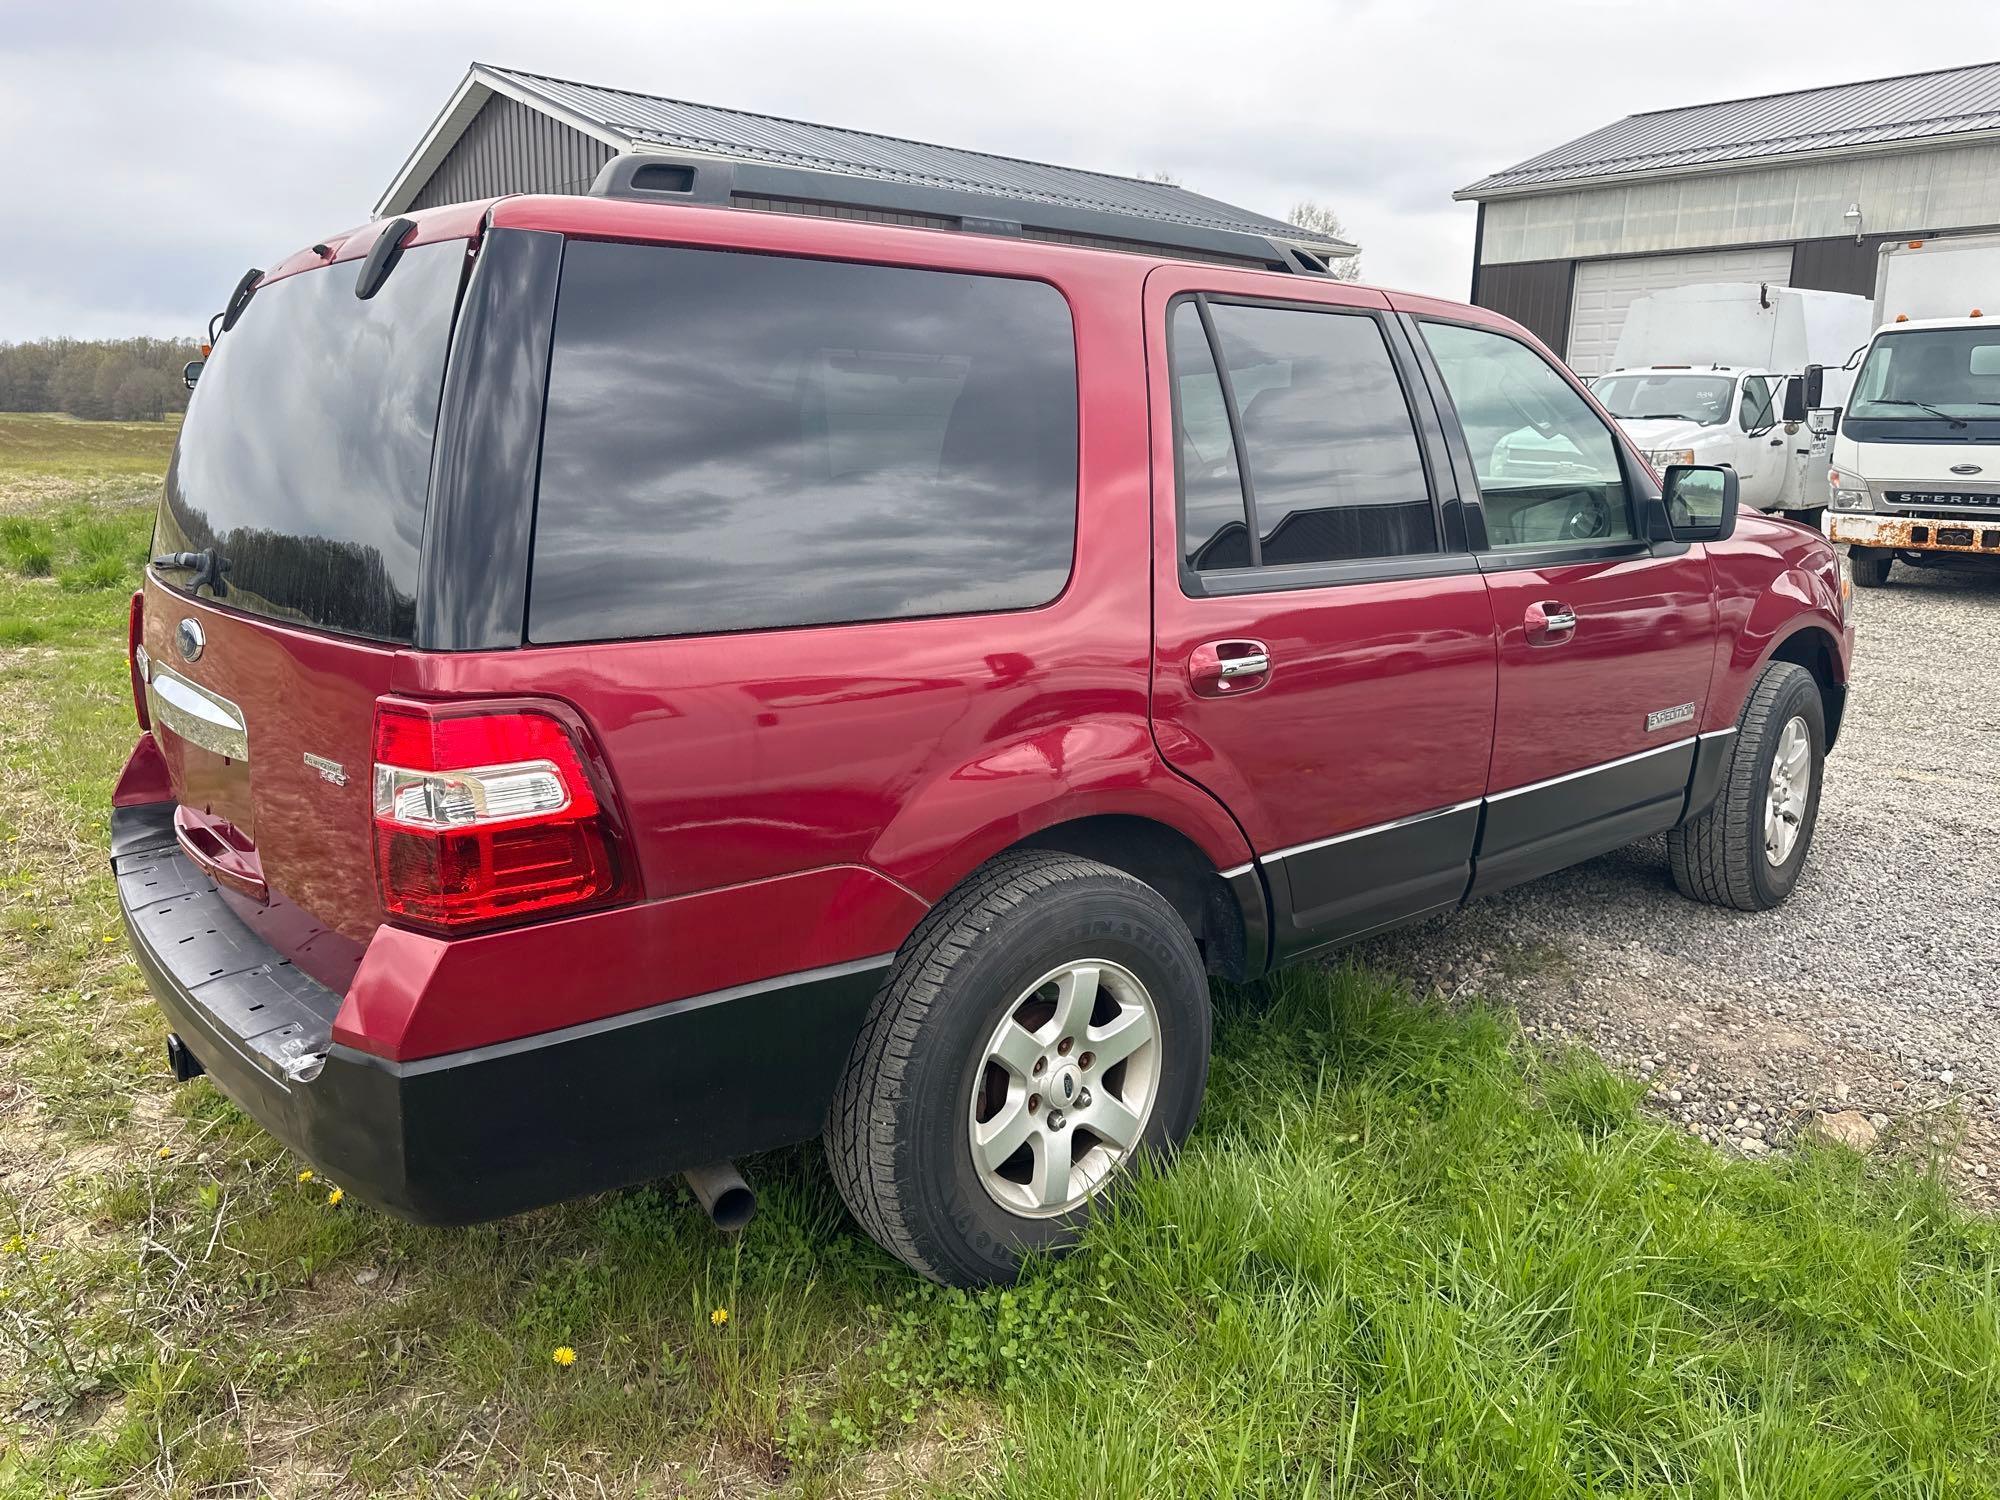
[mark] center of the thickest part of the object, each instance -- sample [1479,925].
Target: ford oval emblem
[1965,468]
[188,636]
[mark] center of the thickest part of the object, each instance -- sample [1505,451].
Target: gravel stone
[1850,1127]
[1876,985]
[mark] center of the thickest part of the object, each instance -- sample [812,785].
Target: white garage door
[1605,288]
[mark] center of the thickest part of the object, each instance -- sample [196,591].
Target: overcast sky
[149,151]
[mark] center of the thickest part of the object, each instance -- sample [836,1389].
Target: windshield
[1696,398]
[305,458]
[1930,375]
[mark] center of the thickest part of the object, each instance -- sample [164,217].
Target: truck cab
[1711,374]
[1716,415]
[1916,458]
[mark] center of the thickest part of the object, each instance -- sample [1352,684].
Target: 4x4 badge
[329,770]
[1660,718]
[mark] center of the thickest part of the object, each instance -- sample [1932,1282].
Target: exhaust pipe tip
[724,1196]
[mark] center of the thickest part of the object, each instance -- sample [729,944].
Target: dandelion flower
[165,1152]
[564,1356]
[333,1198]
[306,1175]
[719,1317]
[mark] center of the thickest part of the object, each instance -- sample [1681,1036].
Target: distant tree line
[336,584]
[104,380]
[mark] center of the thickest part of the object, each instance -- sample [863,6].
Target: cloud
[149,152]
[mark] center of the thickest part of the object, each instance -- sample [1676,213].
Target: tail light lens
[135,656]
[490,814]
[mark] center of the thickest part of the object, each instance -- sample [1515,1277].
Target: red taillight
[488,814]
[135,635]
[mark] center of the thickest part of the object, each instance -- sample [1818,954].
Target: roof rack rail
[656,177]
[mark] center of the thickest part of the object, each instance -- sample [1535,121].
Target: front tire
[1748,847]
[1047,1024]
[1871,566]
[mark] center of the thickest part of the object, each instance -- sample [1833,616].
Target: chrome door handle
[1220,669]
[1561,620]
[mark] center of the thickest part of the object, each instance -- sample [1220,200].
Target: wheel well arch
[1815,650]
[1231,939]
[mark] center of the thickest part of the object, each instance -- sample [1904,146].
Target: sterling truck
[1916,458]
[1710,374]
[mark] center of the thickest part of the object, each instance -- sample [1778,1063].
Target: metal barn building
[1797,189]
[505,131]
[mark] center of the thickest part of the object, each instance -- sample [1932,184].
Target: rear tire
[1747,849]
[959,1040]
[1871,566]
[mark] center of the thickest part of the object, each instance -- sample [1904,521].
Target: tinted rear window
[741,441]
[306,454]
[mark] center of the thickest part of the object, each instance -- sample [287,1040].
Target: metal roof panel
[674,124]
[1915,107]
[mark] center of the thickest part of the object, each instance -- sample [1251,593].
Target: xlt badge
[1660,718]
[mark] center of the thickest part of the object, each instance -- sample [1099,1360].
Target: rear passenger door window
[1547,465]
[1295,442]
[738,441]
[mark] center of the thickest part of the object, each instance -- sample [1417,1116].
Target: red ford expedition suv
[629,681]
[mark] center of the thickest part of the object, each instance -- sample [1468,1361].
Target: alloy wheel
[1789,792]
[1065,1086]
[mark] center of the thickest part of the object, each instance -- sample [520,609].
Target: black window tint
[306,453]
[1334,467]
[738,441]
[1547,465]
[1214,534]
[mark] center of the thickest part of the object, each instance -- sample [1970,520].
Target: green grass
[1406,1254]
[47,444]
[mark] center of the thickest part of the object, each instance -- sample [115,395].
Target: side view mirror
[191,371]
[1701,502]
[1796,405]
[1815,385]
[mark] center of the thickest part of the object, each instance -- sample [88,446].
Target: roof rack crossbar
[666,177]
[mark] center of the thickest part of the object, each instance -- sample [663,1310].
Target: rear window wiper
[246,288]
[208,567]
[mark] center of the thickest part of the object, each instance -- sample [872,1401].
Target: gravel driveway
[1875,989]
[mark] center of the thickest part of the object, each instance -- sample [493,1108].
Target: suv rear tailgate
[285,578]
[292,809]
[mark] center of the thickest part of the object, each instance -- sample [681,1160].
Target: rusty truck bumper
[1916,533]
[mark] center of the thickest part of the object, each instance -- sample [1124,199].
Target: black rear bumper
[496,1130]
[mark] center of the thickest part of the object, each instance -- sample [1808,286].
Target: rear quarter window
[739,441]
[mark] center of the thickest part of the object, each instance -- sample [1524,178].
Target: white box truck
[1916,457]
[1711,374]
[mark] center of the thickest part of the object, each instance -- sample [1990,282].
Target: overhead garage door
[1605,288]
